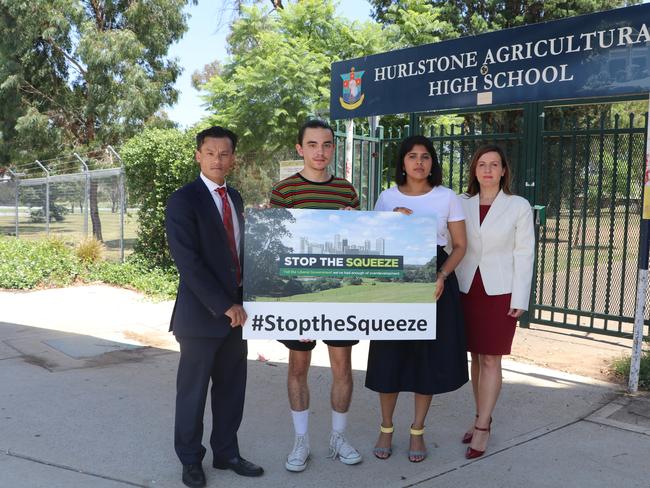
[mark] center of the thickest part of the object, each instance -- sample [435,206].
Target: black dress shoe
[240,466]
[193,475]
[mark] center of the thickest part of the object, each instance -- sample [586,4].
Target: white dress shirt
[212,186]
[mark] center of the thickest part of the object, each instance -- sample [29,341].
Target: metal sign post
[349,148]
[642,279]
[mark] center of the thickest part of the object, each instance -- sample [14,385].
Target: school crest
[352,90]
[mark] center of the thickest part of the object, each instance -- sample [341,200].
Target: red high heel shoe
[472,453]
[467,437]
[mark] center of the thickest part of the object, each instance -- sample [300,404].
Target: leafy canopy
[467,17]
[278,72]
[77,73]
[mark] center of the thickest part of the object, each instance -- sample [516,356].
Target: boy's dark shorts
[308,346]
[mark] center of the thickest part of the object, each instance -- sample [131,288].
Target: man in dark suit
[204,223]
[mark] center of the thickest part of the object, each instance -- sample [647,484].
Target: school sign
[595,55]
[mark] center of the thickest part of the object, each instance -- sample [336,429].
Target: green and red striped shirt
[298,192]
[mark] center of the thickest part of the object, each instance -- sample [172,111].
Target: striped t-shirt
[298,192]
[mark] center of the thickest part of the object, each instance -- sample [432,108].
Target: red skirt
[488,327]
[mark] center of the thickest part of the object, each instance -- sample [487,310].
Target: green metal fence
[367,159]
[583,163]
[590,181]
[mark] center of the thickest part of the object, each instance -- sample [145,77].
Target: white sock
[300,421]
[339,421]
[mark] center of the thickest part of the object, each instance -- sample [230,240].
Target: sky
[205,41]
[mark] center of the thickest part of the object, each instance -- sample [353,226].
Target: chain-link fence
[71,197]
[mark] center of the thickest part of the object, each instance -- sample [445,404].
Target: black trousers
[223,361]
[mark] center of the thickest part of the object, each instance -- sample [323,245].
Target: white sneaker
[340,448]
[298,457]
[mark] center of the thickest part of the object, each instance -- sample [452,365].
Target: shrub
[156,282]
[50,262]
[57,214]
[621,369]
[90,250]
[325,284]
[157,163]
[293,287]
[28,264]
[37,216]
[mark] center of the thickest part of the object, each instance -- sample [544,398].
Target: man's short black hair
[216,132]
[313,124]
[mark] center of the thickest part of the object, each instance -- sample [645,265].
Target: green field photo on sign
[368,291]
[339,257]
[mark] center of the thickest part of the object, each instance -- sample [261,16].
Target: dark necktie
[230,230]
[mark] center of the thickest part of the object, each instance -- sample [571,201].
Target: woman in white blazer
[494,278]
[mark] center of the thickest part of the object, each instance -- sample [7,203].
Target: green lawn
[592,234]
[366,293]
[71,230]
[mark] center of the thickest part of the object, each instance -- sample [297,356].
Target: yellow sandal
[384,452]
[414,455]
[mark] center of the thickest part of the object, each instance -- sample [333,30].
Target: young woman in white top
[495,279]
[422,367]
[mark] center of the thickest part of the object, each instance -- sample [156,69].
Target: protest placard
[340,275]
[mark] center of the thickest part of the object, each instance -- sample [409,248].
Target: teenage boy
[204,224]
[314,188]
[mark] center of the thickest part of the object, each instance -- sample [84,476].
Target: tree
[265,231]
[278,75]
[210,70]
[278,72]
[470,17]
[80,75]
[230,10]
[416,22]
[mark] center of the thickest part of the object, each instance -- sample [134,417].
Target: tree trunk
[114,197]
[92,200]
[94,211]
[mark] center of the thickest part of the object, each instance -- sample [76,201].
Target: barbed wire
[64,164]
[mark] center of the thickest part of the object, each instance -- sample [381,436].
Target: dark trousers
[223,361]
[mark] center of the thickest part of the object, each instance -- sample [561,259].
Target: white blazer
[502,247]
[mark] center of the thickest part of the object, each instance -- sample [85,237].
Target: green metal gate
[584,163]
[590,180]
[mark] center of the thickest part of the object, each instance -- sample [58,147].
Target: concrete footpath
[87,397]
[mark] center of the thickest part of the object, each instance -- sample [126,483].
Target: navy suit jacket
[198,243]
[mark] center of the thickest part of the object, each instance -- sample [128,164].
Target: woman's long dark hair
[435,177]
[473,186]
